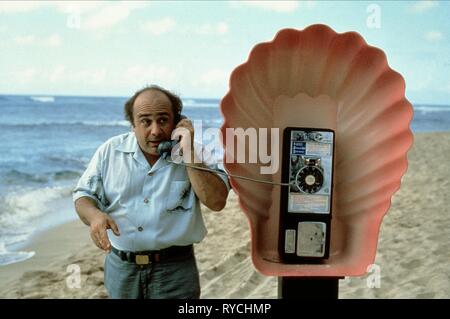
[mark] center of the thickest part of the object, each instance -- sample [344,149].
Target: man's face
[153,121]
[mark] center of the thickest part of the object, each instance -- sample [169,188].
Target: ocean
[47,142]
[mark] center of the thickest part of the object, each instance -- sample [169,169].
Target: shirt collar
[130,145]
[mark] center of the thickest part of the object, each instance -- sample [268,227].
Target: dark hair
[175,101]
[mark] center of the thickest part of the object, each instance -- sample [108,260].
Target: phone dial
[309,179]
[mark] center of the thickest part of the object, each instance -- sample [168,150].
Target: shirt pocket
[180,198]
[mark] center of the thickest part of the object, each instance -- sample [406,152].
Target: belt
[148,257]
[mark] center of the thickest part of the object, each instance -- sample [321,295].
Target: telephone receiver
[165,147]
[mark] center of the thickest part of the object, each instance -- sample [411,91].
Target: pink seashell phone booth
[343,134]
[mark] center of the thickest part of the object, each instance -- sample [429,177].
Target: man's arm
[98,221]
[209,188]
[88,196]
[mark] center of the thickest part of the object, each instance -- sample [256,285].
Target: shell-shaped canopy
[319,78]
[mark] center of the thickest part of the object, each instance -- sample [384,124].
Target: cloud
[51,41]
[167,24]
[20,6]
[89,76]
[57,74]
[63,6]
[159,27]
[25,76]
[60,75]
[96,78]
[219,28]
[212,77]
[25,40]
[140,75]
[422,6]
[421,77]
[94,14]
[110,15]
[83,7]
[434,36]
[276,6]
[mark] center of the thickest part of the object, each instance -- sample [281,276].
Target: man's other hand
[99,225]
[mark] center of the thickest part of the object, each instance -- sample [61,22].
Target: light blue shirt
[154,206]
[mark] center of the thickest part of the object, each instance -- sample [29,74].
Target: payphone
[306,205]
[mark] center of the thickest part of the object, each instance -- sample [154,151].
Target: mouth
[153,143]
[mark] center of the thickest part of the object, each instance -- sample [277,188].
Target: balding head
[159,94]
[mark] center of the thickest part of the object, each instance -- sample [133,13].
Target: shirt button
[140,228]
[146,200]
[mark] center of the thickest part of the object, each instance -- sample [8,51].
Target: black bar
[308,287]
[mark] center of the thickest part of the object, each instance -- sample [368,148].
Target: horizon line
[185,98]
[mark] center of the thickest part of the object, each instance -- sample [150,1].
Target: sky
[191,47]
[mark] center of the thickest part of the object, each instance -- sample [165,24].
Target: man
[145,210]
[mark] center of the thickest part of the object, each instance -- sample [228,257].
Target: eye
[145,122]
[163,120]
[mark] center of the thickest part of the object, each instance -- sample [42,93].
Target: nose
[155,129]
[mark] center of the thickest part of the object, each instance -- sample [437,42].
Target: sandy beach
[413,253]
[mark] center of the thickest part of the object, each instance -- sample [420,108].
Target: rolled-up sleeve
[91,182]
[213,161]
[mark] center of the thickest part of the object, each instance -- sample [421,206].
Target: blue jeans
[172,279]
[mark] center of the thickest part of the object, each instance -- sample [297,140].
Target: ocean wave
[43,99]
[201,102]
[200,105]
[22,213]
[19,208]
[107,123]
[65,175]
[69,160]
[10,236]
[432,108]
[11,257]
[17,177]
